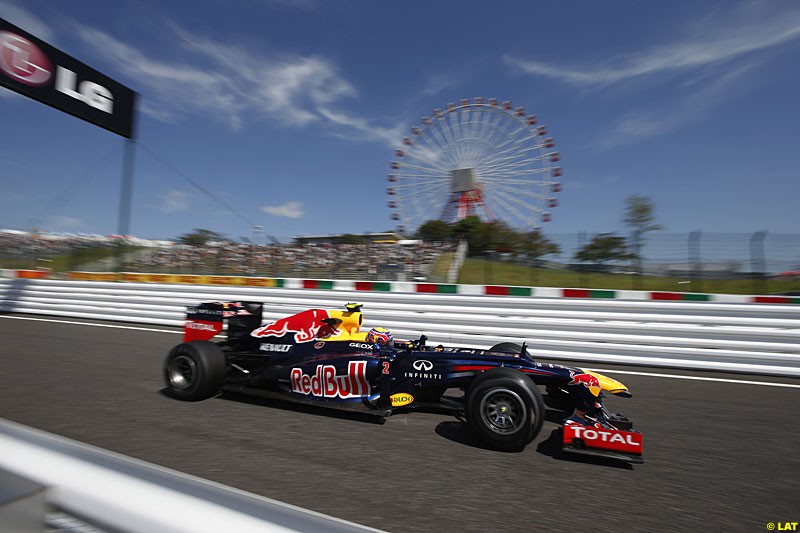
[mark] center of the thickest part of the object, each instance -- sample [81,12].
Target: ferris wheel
[478,158]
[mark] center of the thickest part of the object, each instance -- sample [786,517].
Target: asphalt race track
[720,456]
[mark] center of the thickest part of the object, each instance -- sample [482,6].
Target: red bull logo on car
[306,326]
[326,384]
[589,381]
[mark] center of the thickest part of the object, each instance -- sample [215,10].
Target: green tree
[200,237]
[474,232]
[639,216]
[483,237]
[435,230]
[604,247]
[504,239]
[538,246]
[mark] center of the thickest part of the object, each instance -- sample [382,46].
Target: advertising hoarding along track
[35,69]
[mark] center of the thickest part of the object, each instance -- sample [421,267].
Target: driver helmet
[379,336]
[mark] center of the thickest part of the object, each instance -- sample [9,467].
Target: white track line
[607,371]
[697,378]
[112,326]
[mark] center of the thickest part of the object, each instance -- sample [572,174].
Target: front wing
[603,442]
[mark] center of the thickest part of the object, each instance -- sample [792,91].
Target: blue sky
[289,111]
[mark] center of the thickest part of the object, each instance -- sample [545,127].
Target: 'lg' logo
[21,60]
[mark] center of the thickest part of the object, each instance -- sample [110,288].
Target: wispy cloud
[287,210]
[692,107]
[720,37]
[65,223]
[174,201]
[235,85]
[26,20]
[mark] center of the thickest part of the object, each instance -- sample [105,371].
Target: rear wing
[206,320]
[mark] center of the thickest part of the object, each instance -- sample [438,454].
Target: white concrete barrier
[710,335]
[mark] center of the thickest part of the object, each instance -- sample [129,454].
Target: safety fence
[757,263]
[723,334]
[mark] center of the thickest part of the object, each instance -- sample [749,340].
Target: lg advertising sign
[37,70]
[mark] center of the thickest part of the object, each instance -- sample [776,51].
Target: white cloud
[26,20]
[239,86]
[353,127]
[65,223]
[174,201]
[718,38]
[288,210]
[689,109]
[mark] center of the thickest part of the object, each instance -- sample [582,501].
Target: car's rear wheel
[504,409]
[194,370]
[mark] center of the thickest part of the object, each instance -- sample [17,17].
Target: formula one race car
[322,357]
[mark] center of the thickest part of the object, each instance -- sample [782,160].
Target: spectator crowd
[374,261]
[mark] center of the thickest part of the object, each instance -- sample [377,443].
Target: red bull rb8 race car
[323,357]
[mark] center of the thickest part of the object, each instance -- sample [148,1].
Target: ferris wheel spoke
[435,140]
[447,144]
[462,121]
[514,182]
[444,133]
[422,210]
[418,188]
[479,148]
[493,130]
[454,126]
[422,178]
[508,206]
[500,169]
[512,163]
[522,210]
[456,136]
[514,167]
[422,173]
[430,150]
[434,171]
[536,196]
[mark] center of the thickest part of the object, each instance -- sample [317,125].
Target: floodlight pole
[125,195]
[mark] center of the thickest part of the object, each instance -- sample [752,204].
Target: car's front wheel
[505,409]
[194,370]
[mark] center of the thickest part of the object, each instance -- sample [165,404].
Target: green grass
[483,272]
[442,266]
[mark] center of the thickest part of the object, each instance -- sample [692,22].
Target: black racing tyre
[194,370]
[505,409]
[510,347]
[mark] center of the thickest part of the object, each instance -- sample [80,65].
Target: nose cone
[611,385]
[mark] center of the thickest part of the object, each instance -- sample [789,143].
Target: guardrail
[50,483]
[709,335]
